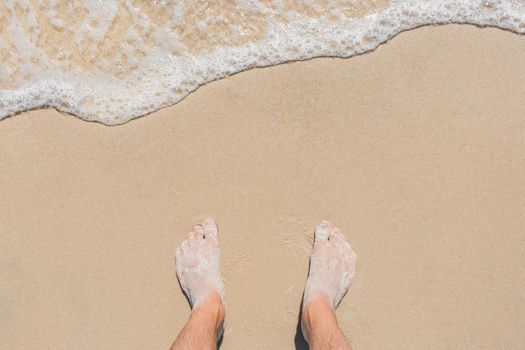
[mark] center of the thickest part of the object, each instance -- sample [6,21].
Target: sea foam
[112,61]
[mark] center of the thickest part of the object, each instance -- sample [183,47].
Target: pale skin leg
[198,271]
[332,266]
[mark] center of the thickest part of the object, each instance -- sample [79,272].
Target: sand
[417,151]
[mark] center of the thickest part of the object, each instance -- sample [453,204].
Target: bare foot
[332,266]
[198,264]
[198,269]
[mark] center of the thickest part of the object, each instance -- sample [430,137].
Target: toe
[178,254]
[199,231]
[322,231]
[178,259]
[353,258]
[185,244]
[336,234]
[350,265]
[349,248]
[210,228]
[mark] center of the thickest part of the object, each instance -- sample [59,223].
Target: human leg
[198,271]
[332,266]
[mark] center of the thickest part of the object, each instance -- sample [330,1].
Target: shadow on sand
[300,342]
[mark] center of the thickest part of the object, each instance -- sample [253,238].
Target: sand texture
[417,151]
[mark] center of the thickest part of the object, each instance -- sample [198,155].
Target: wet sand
[417,151]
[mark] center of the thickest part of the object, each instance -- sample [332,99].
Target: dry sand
[417,151]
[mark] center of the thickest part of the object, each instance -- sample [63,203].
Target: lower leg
[320,327]
[332,266]
[203,327]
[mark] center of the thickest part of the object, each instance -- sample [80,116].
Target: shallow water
[112,61]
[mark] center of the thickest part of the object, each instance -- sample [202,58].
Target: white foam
[152,67]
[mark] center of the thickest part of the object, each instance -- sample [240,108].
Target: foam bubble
[112,61]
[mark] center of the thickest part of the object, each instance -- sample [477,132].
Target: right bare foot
[332,266]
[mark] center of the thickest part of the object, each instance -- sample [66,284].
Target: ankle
[318,306]
[318,321]
[210,311]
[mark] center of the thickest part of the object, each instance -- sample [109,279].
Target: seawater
[112,61]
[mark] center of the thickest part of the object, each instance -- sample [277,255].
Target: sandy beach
[416,150]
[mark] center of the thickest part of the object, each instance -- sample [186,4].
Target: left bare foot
[198,269]
[198,265]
